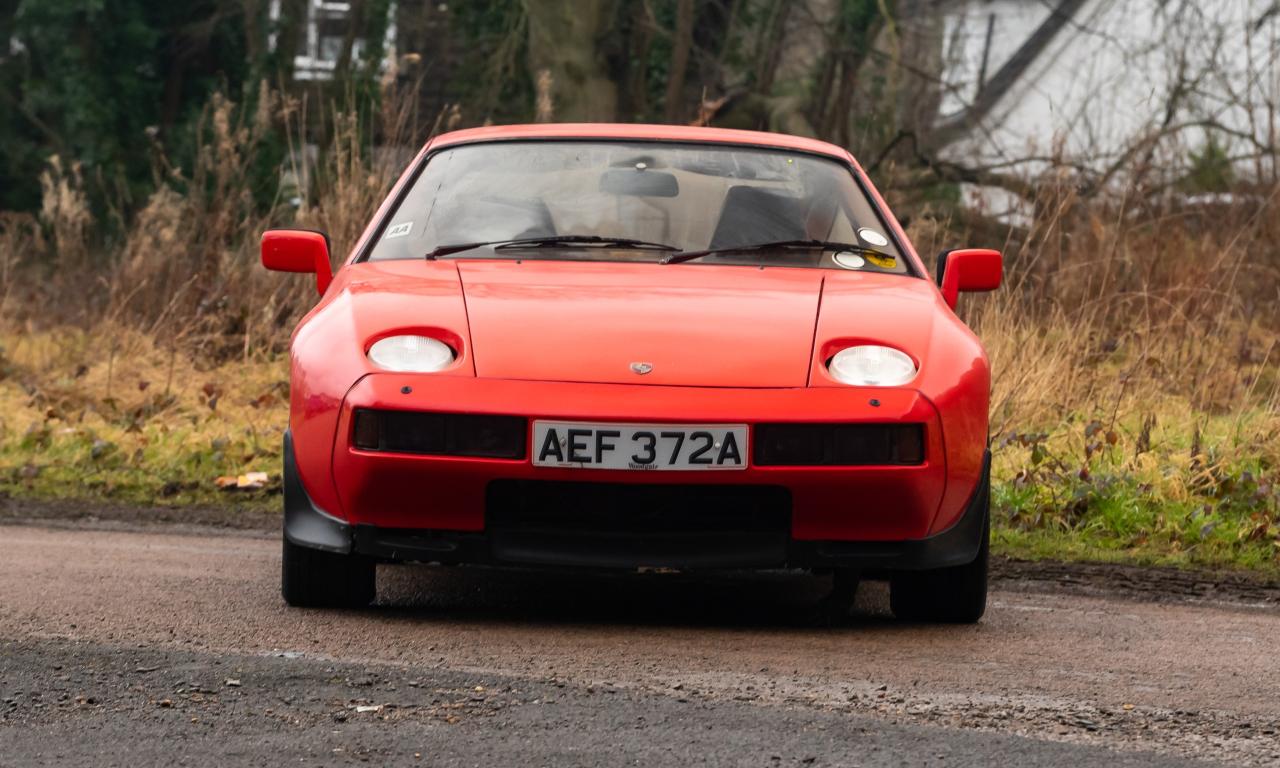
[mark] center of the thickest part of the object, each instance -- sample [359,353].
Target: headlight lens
[872,366]
[411,354]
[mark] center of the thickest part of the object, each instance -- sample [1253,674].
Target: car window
[690,197]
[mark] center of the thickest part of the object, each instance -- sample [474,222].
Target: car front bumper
[306,525]
[454,509]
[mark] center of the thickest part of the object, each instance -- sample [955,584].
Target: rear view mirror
[639,183]
[298,250]
[968,269]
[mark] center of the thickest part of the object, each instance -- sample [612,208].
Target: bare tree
[1005,78]
[679,61]
[564,41]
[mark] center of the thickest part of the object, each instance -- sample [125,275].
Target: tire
[311,578]
[956,595]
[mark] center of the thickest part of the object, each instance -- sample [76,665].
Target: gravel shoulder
[67,703]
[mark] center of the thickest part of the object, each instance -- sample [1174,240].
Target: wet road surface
[156,647]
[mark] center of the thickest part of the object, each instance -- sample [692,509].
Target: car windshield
[671,198]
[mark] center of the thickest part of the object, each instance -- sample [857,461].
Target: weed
[1135,408]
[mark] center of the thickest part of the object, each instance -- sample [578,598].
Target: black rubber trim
[305,524]
[308,526]
[958,545]
[415,545]
[694,551]
[574,551]
[942,265]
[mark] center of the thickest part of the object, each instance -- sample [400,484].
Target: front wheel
[312,578]
[956,595]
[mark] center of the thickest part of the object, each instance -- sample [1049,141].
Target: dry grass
[110,414]
[1136,397]
[1136,403]
[184,271]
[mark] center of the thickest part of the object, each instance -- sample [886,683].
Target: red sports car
[626,346]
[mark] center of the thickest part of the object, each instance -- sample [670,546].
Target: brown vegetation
[1136,400]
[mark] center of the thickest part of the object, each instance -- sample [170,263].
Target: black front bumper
[520,532]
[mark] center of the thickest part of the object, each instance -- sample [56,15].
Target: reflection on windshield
[689,196]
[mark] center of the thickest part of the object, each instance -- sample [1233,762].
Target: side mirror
[968,269]
[298,250]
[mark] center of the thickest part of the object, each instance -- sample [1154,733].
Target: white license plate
[683,447]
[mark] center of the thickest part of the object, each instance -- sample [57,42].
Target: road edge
[1137,582]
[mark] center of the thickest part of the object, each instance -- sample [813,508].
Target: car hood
[695,325]
[683,325]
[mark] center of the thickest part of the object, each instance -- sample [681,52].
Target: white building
[327,24]
[1120,76]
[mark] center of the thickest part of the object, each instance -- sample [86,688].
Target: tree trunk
[639,38]
[769,43]
[836,128]
[806,40]
[789,52]
[679,61]
[820,106]
[564,41]
[918,54]
[355,25]
[293,16]
[254,39]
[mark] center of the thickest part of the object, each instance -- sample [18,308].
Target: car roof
[638,131]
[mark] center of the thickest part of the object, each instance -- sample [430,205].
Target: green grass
[1200,491]
[134,424]
[161,465]
[1166,486]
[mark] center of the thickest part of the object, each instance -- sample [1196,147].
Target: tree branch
[950,129]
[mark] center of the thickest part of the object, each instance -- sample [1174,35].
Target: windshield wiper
[545,242]
[678,258]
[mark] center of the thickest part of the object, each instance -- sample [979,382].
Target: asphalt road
[160,647]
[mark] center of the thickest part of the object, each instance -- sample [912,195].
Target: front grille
[440,434]
[630,525]
[843,445]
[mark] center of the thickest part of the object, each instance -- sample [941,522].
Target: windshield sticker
[873,237]
[849,260]
[399,230]
[882,260]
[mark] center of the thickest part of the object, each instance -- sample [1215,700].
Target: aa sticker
[849,260]
[882,261]
[873,237]
[399,230]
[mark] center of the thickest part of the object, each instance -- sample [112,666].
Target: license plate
[683,447]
